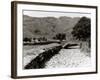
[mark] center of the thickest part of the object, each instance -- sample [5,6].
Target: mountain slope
[47,26]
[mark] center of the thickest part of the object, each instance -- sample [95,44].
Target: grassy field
[32,51]
[74,57]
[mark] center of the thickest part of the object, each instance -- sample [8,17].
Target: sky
[38,13]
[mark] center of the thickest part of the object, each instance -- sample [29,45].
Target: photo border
[14,38]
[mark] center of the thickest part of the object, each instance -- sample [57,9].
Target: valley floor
[65,58]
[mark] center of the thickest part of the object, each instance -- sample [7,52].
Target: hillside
[48,26]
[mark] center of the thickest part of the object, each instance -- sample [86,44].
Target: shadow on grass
[41,59]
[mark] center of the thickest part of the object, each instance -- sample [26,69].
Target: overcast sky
[54,14]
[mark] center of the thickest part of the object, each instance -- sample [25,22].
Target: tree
[82,29]
[60,36]
[44,39]
[34,38]
[37,31]
[27,39]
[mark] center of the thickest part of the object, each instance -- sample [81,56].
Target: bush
[27,39]
[85,48]
[60,36]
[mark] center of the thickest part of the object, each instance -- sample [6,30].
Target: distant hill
[48,26]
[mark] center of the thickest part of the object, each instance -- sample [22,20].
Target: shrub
[85,48]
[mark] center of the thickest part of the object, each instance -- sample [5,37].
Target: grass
[41,59]
[32,51]
[85,48]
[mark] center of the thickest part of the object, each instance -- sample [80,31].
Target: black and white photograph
[56,39]
[53,39]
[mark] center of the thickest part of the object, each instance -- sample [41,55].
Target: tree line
[26,39]
[58,36]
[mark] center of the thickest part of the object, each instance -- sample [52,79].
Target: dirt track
[69,58]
